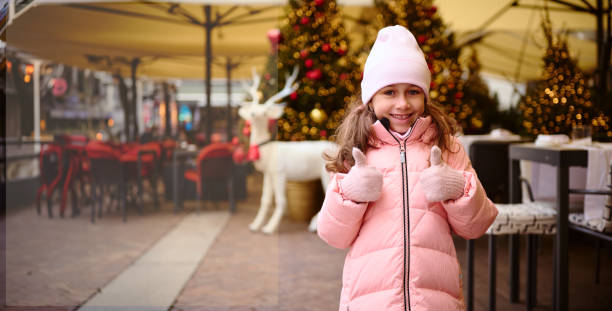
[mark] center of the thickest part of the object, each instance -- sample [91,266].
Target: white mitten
[362,183]
[439,181]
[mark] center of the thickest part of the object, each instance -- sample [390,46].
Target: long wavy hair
[354,131]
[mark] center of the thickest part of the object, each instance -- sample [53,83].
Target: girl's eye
[388,92]
[414,92]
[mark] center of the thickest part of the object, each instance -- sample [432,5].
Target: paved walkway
[63,262]
[154,280]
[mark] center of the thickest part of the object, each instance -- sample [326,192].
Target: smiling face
[401,103]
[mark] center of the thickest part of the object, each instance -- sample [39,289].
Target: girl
[410,184]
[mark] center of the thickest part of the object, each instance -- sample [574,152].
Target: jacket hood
[423,130]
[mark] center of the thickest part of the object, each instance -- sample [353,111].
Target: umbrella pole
[208,26]
[228,68]
[606,54]
[167,104]
[134,122]
[603,50]
[36,90]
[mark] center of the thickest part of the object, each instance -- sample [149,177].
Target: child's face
[401,103]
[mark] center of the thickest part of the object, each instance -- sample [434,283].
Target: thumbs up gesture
[362,183]
[439,181]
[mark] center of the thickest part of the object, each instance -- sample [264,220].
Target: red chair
[51,166]
[105,171]
[214,168]
[61,165]
[168,146]
[140,161]
[74,147]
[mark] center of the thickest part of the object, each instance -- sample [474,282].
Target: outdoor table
[562,158]
[178,159]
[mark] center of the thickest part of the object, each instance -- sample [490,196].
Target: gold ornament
[318,115]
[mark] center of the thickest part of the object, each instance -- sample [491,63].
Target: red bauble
[308,63]
[314,74]
[235,141]
[458,95]
[253,154]
[319,2]
[267,76]
[293,95]
[326,47]
[246,130]
[432,85]
[343,76]
[341,51]
[238,156]
[305,20]
[421,39]
[274,35]
[323,133]
[304,53]
[431,11]
[296,28]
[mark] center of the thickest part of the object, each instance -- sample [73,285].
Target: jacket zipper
[406,215]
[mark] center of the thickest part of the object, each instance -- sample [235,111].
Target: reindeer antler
[289,88]
[252,89]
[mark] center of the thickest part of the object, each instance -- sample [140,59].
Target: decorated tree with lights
[438,44]
[312,37]
[477,95]
[562,98]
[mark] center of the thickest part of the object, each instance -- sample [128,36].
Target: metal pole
[607,52]
[600,52]
[208,26]
[36,87]
[228,68]
[167,119]
[139,114]
[134,123]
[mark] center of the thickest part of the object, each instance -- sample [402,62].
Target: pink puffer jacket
[400,261]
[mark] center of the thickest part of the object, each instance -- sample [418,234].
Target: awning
[506,33]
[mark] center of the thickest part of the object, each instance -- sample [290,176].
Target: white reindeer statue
[280,161]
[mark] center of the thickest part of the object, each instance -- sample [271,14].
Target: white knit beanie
[395,58]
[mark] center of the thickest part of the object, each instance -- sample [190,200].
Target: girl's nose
[403,102]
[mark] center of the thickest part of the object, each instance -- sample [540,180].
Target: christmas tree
[562,99]
[314,39]
[477,95]
[438,44]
